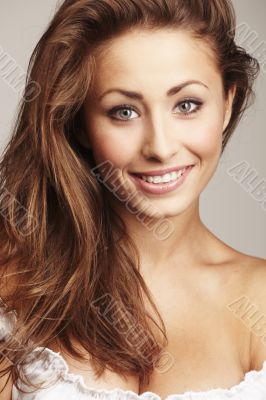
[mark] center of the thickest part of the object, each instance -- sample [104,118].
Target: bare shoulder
[256,276]
[251,270]
[254,308]
[252,277]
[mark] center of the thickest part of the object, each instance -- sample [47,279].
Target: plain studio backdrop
[233,205]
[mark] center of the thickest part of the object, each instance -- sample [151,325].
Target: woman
[112,286]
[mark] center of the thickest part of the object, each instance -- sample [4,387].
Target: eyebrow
[139,96]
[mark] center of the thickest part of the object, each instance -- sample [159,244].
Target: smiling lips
[172,176]
[154,183]
[162,176]
[162,172]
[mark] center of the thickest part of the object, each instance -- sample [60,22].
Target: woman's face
[159,127]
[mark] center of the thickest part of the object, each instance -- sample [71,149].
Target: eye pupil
[126,113]
[185,106]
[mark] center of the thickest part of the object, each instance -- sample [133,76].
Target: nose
[160,142]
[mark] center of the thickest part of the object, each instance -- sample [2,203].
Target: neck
[182,238]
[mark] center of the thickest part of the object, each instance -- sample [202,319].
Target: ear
[229,106]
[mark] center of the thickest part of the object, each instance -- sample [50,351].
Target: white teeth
[172,176]
[157,179]
[166,178]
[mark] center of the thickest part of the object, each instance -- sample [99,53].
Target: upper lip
[162,171]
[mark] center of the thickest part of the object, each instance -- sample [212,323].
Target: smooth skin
[192,274]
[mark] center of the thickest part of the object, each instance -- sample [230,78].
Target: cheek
[114,147]
[207,140]
[107,143]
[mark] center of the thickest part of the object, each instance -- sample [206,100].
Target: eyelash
[111,112]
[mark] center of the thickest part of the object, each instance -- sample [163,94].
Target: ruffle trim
[50,365]
[45,365]
[8,321]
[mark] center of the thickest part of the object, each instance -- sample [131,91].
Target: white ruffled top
[51,367]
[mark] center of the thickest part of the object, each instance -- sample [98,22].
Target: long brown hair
[61,243]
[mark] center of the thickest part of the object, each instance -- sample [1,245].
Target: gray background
[227,208]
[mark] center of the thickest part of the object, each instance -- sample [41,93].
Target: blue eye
[184,107]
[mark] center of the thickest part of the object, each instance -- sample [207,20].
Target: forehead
[139,57]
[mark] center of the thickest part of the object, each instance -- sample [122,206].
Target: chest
[207,346]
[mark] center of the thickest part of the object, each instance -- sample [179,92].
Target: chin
[163,208]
